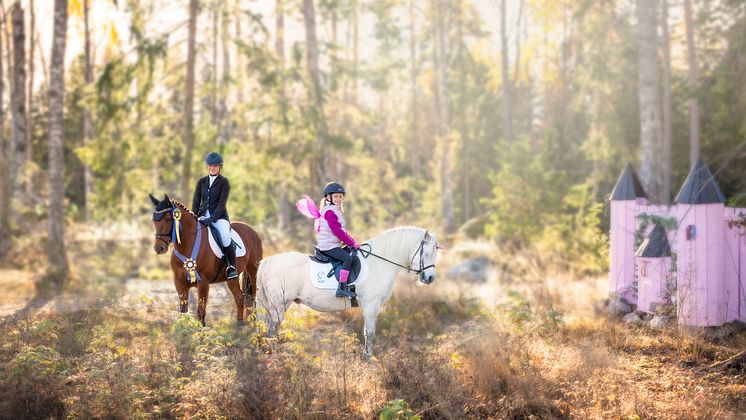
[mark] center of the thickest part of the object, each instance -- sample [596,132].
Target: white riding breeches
[224,227]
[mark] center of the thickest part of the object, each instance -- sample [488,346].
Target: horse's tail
[255,252]
[249,290]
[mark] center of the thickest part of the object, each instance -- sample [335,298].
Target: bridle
[157,217]
[408,267]
[174,235]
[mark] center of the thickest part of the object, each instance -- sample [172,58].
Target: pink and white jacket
[331,229]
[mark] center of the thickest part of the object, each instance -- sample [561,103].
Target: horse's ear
[154,200]
[166,198]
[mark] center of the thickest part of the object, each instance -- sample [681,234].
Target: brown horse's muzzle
[160,247]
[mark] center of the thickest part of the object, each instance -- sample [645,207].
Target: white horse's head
[427,254]
[408,247]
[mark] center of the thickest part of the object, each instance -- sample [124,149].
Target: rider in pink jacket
[331,232]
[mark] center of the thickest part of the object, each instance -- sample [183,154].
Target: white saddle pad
[240,249]
[319,271]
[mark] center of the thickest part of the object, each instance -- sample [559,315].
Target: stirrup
[344,292]
[231,272]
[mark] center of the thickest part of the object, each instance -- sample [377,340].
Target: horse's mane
[183,207]
[398,239]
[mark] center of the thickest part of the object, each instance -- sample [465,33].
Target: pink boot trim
[343,275]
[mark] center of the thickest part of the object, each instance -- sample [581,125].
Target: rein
[409,268]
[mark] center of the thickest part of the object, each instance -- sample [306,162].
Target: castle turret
[699,247]
[627,196]
[654,265]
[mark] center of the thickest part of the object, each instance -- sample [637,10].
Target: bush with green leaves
[397,410]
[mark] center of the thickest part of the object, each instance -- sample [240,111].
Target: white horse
[284,278]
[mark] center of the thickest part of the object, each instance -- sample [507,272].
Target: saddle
[336,267]
[216,243]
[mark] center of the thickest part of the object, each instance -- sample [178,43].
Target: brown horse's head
[163,220]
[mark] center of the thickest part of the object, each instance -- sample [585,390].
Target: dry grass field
[526,343]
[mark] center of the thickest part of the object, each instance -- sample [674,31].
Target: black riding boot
[343,290]
[230,255]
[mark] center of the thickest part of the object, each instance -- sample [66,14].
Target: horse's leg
[370,315]
[203,289]
[237,297]
[182,289]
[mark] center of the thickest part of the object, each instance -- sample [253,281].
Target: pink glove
[356,245]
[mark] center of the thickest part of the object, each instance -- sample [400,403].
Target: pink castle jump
[698,263]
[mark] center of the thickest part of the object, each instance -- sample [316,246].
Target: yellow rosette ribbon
[177,225]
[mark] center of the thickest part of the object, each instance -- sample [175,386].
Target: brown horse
[176,225]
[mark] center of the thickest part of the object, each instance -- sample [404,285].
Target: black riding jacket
[212,197]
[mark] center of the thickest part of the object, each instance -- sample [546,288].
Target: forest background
[500,124]
[508,120]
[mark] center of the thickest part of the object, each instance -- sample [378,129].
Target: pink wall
[734,265]
[700,284]
[622,248]
[651,278]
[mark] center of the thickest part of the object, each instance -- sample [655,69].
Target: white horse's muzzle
[427,276]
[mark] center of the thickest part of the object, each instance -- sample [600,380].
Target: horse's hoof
[367,357]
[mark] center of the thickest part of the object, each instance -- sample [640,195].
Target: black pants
[340,255]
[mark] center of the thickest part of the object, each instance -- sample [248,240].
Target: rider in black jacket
[210,198]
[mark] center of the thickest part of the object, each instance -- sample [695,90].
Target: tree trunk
[444,126]
[462,106]
[5,189]
[87,117]
[507,88]
[649,98]
[312,61]
[30,100]
[283,207]
[355,51]
[667,107]
[691,58]
[280,30]
[414,140]
[519,21]
[223,128]
[188,134]
[18,101]
[56,241]
[8,48]
[214,71]
[238,73]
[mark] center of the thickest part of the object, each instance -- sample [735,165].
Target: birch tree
[56,253]
[691,58]
[649,98]
[188,113]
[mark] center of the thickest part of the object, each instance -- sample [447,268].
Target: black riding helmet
[333,187]
[214,158]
